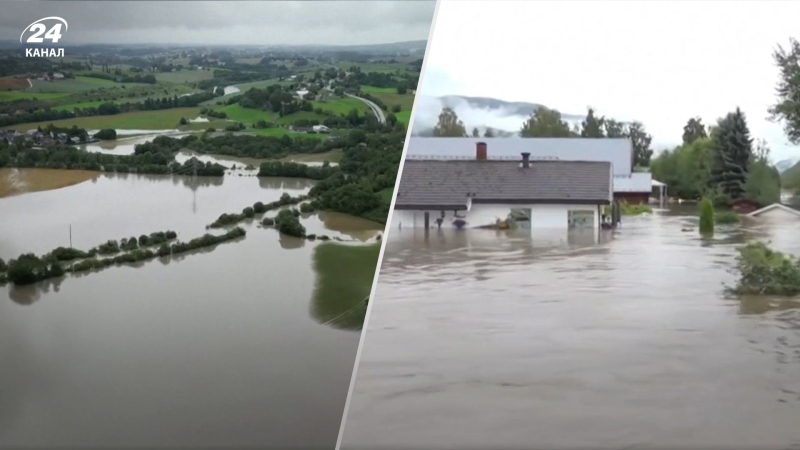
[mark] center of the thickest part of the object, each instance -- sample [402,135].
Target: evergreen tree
[449,125]
[545,123]
[732,153]
[592,127]
[488,133]
[476,133]
[694,130]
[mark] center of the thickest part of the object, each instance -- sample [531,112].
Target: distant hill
[790,178]
[509,108]
[786,164]
[504,117]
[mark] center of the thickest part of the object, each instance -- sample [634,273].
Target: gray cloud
[227,22]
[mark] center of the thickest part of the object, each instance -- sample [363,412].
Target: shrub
[306,208]
[29,268]
[249,212]
[635,209]
[726,217]
[706,217]
[287,223]
[67,254]
[764,271]
[259,208]
[108,134]
[268,222]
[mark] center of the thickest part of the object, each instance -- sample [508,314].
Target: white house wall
[543,217]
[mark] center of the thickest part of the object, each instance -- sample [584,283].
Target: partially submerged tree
[706,217]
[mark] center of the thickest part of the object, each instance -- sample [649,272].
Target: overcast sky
[227,22]
[659,63]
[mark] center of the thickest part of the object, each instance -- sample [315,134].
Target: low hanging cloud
[228,22]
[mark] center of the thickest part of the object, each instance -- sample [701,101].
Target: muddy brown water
[249,343]
[481,339]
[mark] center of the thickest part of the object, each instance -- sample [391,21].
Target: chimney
[480,151]
[526,160]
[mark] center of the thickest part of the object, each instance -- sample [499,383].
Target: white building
[522,193]
[321,129]
[633,187]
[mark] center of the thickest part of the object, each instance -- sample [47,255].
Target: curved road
[375,108]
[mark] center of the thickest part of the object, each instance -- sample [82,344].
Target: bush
[306,208]
[267,222]
[726,217]
[259,208]
[108,134]
[635,209]
[287,223]
[764,271]
[29,268]
[706,217]
[249,212]
[67,254]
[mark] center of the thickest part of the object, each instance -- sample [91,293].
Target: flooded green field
[230,345]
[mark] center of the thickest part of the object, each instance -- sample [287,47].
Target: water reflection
[480,339]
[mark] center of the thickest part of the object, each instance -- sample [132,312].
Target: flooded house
[629,186]
[520,193]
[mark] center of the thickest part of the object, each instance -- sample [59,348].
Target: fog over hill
[504,117]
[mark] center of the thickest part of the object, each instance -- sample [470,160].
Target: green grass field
[184,76]
[292,118]
[165,119]
[403,117]
[72,106]
[341,105]
[245,115]
[378,90]
[71,86]
[10,96]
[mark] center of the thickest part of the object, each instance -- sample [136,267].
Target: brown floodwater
[482,339]
[16,182]
[249,343]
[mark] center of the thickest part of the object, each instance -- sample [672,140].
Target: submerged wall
[543,217]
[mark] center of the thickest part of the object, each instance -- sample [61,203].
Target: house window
[581,219]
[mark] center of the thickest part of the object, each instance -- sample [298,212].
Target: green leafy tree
[694,130]
[476,133]
[449,125]
[640,141]
[488,133]
[787,107]
[614,129]
[545,122]
[732,154]
[686,170]
[592,126]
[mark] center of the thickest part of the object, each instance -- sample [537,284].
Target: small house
[522,193]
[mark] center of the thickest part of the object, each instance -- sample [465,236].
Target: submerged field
[16,182]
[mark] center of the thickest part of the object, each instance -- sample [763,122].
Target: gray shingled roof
[616,151]
[450,184]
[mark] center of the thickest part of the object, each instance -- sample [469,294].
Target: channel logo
[50,29]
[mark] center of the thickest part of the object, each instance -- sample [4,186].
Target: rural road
[375,108]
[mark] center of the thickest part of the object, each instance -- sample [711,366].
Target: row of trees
[721,163]
[548,123]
